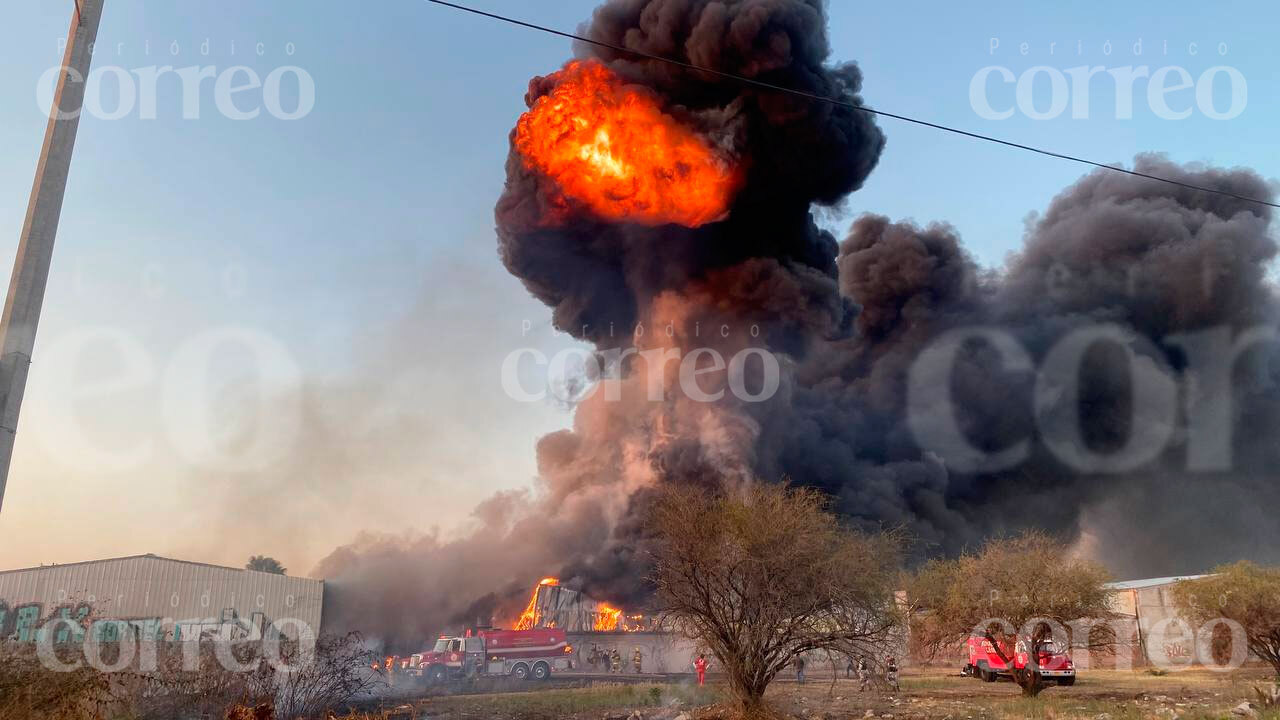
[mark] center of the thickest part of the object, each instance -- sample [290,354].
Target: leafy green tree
[263,563]
[1245,593]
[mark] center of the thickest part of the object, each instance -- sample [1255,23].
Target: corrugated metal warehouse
[154,598]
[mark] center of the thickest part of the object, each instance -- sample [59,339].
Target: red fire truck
[519,653]
[1053,660]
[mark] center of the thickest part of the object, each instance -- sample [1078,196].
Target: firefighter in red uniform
[701,666]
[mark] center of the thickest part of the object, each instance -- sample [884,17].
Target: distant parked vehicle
[1053,661]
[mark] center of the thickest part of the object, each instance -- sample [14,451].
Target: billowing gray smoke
[1113,413]
[1062,392]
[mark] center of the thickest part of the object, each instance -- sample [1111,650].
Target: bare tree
[1245,593]
[765,574]
[263,563]
[1014,588]
[334,674]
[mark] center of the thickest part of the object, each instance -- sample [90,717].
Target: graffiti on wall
[74,622]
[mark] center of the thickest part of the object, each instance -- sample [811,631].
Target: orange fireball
[611,148]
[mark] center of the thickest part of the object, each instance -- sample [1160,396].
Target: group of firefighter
[866,678]
[612,660]
[865,675]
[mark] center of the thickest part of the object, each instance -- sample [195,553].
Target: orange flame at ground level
[610,147]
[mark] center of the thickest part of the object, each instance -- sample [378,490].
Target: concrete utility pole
[35,247]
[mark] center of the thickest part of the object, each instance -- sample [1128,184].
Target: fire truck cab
[1053,661]
[521,654]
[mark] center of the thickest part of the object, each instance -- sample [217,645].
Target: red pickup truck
[1053,660]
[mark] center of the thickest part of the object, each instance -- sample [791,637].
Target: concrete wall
[153,598]
[1153,636]
[1163,640]
[663,652]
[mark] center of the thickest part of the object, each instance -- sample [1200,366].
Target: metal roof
[1150,582]
[125,557]
[158,593]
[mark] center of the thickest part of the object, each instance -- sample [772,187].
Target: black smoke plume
[850,322]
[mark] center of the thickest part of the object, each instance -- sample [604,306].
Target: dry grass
[924,696]
[31,690]
[1192,695]
[561,703]
[28,690]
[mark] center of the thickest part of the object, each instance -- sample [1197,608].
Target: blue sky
[359,238]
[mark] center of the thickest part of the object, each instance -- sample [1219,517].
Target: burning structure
[658,209]
[553,605]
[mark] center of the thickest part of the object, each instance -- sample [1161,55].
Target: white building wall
[660,652]
[153,597]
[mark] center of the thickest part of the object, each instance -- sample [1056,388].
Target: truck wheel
[541,671]
[986,673]
[520,671]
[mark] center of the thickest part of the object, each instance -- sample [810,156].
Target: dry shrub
[30,690]
[766,574]
[338,675]
[263,711]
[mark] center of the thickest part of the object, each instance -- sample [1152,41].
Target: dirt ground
[925,695]
[1118,694]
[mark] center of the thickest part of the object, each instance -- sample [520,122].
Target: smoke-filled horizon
[988,442]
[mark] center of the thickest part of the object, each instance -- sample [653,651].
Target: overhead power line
[842,103]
